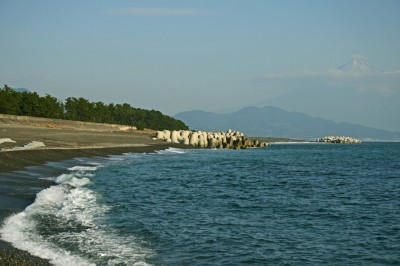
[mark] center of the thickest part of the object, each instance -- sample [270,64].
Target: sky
[212,55]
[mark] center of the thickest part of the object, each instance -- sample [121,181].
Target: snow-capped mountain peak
[359,65]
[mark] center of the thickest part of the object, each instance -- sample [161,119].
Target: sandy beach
[62,144]
[33,142]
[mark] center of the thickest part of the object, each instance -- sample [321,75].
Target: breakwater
[213,140]
[341,139]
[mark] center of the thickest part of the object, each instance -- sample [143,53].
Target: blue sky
[212,55]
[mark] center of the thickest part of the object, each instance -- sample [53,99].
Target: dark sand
[19,185]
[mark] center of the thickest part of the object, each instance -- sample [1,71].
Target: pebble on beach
[20,258]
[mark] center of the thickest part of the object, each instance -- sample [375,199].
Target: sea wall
[341,139]
[213,140]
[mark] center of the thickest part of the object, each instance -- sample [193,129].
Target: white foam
[72,180]
[116,158]
[20,230]
[130,155]
[5,140]
[74,211]
[171,150]
[84,168]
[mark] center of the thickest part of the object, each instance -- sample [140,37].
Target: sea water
[289,204]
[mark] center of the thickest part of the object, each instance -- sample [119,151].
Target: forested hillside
[80,109]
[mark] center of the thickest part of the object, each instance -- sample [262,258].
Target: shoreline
[19,184]
[18,160]
[18,164]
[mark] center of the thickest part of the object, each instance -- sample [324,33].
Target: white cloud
[172,12]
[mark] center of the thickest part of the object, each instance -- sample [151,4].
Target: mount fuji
[357,92]
[359,66]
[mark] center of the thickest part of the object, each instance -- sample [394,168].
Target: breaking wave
[64,225]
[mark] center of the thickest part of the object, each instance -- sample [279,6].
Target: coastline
[19,185]
[20,169]
[19,160]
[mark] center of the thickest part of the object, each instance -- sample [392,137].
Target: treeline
[80,109]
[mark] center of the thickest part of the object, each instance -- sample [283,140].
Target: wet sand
[19,184]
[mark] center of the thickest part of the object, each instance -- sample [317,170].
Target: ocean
[288,204]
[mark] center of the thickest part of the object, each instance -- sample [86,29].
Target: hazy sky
[212,55]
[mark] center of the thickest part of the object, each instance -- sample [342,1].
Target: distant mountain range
[275,122]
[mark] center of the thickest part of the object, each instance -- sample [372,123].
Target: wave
[83,168]
[171,150]
[65,225]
